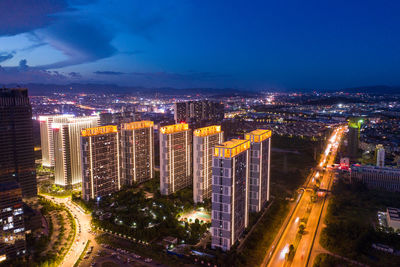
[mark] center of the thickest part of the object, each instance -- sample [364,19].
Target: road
[277,256]
[83,230]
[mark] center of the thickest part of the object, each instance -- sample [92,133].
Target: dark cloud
[108,72]
[75,75]
[18,16]
[25,74]
[6,56]
[23,64]
[79,29]
[80,39]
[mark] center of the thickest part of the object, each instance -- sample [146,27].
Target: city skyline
[199,133]
[187,44]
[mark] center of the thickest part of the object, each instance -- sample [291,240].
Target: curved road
[82,230]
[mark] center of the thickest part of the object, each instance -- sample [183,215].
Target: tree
[302,227]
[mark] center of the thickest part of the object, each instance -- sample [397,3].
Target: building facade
[100,162]
[353,137]
[46,136]
[17,158]
[375,177]
[393,218]
[67,149]
[204,140]
[12,228]
[197,111]
[175,158]
[137,152]
[380,156]
[260,154]
[118,118]
[229,216]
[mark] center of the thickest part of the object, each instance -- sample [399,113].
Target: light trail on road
[288,236]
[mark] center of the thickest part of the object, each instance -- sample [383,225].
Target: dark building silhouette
[118,118]
[199,112]
[17,159]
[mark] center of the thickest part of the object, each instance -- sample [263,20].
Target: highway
[303,209]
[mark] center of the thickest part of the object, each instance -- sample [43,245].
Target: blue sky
[241,44]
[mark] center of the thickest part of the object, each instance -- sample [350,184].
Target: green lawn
[149,219]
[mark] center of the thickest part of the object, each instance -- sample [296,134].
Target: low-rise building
[393,218]
[375,177]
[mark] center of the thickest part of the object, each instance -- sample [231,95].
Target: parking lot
[107,256]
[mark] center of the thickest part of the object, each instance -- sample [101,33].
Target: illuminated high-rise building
[260,153]
[67,149]
[175,158]
[100,161]
[230,215]
[46,136]
[17,158]
[12,228]
[137,152]
[353,137]
[380,156]
[204,140]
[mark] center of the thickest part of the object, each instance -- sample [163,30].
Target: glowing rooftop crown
[99,130]
[175,128]
[207,130]
[231,148]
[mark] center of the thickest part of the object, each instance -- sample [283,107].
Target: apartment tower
[204,140]
[67,149]
[46,136]
[197,111]
[175,158]
[100,162]
[260,154]
[230,175]
[137,152]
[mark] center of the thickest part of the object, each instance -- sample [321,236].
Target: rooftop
[231,148]
[394,214]
[206,131]
[99,130]
[258,135]
[174,128]
[137,125]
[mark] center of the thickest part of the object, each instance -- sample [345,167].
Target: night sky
[242,44]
